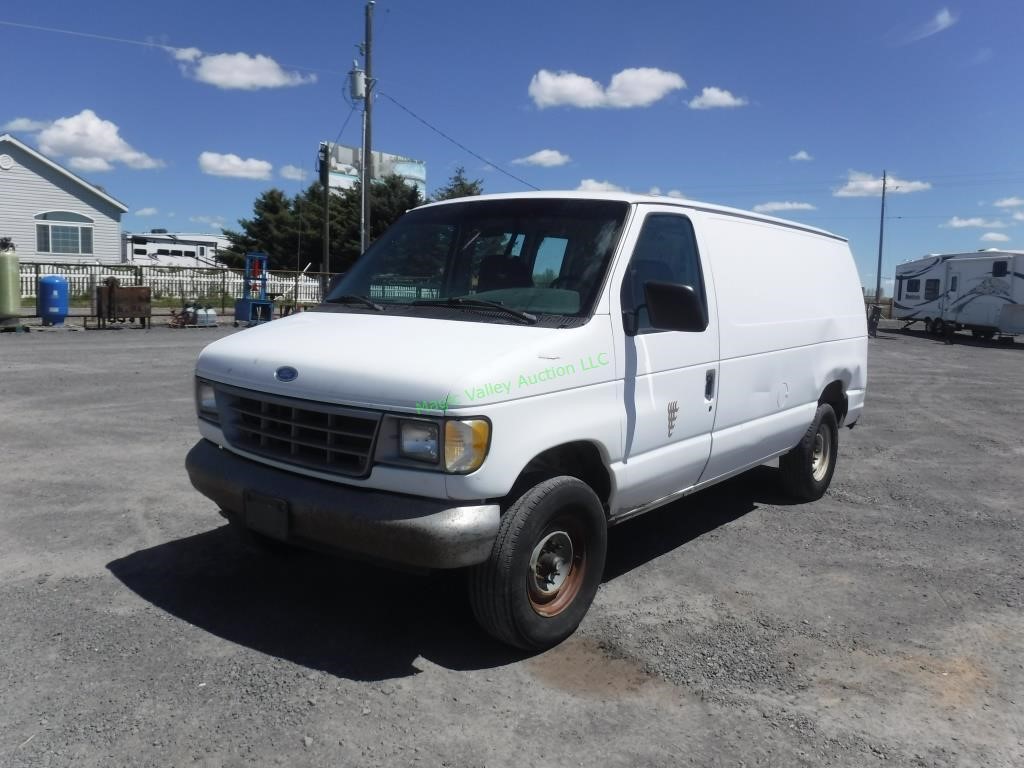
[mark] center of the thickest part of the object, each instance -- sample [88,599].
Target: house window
[1000,268]
[202,250]
[931,290]
[953,283]
[913,287]
[63,232]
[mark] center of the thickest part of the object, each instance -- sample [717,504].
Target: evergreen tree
[290,230]
[459,186]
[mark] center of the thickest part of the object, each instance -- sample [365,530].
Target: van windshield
[539,256]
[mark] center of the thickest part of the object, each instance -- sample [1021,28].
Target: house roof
[61,169]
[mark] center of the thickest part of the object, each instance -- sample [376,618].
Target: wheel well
[835,395]
[580,460]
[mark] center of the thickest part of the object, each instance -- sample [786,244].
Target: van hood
[407,363]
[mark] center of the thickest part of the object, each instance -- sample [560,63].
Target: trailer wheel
[807,469]
[545,567]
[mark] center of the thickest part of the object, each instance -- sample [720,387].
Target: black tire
[807,470]
[508,598]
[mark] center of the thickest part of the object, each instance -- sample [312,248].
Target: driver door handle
[709,385]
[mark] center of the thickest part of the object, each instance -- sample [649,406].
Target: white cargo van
[498,379]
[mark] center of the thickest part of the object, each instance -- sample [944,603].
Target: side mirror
[674,307]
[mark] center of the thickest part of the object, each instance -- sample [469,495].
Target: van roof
[628,197]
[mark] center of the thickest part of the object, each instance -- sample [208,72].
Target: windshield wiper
[351,298]
[462,301]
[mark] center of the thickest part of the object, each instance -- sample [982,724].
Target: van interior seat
[500,271]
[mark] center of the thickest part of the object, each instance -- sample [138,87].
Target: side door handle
[709,385]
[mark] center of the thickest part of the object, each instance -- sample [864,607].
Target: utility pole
[325,182]
[298,253]
[881,235]
[367,165]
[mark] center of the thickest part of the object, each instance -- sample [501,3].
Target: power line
[344,124]
[143,43]
[456,143]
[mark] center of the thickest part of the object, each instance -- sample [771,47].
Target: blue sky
[795,107]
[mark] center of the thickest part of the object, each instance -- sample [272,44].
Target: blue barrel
[52,302]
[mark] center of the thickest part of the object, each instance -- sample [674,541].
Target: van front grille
[319,436]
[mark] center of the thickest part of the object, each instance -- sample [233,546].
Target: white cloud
[1009,202]
[860,184]
[93,144]
[983,55]
[716,98]
[941,21]
[1018,216]
[783,206]
[236,70]
[147,212]
[593,185]
[803,154]
[217,164]
[548,158]
[24,125]
[87,164]
[213,222]
[293,173]
[975,221]
[633,87]
[994,237]
[185,54]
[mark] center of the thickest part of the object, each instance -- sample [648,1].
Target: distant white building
[158,247]
[52,215]
[346,167]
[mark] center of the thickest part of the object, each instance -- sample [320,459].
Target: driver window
[666,251]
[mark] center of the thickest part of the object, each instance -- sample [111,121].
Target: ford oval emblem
[286,373]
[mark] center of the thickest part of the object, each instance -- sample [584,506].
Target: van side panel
[792,320]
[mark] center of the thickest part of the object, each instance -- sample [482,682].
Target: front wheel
[807,469]
[545,566]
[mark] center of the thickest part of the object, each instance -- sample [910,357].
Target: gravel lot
[881,625]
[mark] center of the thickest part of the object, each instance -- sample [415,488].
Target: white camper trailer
[982,292]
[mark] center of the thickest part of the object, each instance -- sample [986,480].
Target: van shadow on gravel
[364,622]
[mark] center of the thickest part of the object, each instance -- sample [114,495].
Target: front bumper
[404,530]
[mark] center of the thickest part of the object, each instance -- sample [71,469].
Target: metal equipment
[254,307]
[114,303]
[10,288]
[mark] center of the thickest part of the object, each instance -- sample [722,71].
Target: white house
[52,215]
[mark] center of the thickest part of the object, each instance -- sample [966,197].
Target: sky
[187,111]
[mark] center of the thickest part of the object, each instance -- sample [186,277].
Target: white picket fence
[179,283]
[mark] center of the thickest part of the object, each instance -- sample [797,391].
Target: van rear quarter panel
[791,318]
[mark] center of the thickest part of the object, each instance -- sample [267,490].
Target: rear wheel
[807,469]
[545,567]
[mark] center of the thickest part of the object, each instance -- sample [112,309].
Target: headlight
[206,401]
[419,440]
[465,444]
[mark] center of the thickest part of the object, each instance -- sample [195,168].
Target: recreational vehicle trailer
[982,292]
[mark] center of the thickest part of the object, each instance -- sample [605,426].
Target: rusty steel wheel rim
[556,570]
